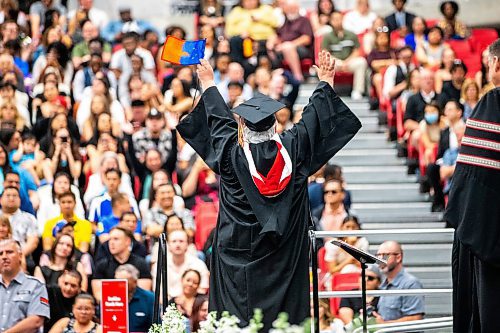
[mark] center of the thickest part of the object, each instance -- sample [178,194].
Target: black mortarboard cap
[258,112]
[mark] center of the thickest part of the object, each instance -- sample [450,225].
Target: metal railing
[434,323]
[333,234]
[378,293]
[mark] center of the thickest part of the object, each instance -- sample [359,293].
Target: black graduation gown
[260,251]
[474,211]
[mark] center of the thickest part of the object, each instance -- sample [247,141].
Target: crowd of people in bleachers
[92,170]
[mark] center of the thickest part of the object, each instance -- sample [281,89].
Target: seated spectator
[115,31]
[284,120]
[147,78]
[120,204]
[51,99]
[154,135]
[400,19]
[62,296]
[140,301]
[99,105]
[413,87]
[368,40]
[452,90]
[211,13]
[397,308]
[127,221]
[11,120]
[449,160]
[121,62]
[61,259]
[5,228]
[235,73]
[430,53]
[235,91]
[430,128]
[343,45]
[481,77]
[321,17]
[37,16]
[8,95]
[327,322]
[469,97]
[100,86]
[351,308]
[26,186]
[207,32]
[86,75]
[24,228]
[284,88]
[49,202]
[120,240]
[331,215]
[316,182]
[50,35]
[199,312]
[97,16]
[26,156]
[222,61]
[62,156]
[201,184]
[80,53]
[57,58]
[414,112]
[418,35]
[95,187]
[179,260]
[249,21]
[103,142]
[338,260]
[190,282]
[21,317]
[380,58]
[443,74]
[294,40]
[83,317]
[448,140]
[360,19]
[152,164]
[82,228]
[148,201]
[180,104]
[452,27]
[156,218]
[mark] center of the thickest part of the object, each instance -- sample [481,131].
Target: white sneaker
[356,95]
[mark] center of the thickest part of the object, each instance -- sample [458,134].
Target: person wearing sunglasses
[397,308]
[349,307]
[474,211]
[331,215]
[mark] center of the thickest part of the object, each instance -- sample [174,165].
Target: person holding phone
[63,155]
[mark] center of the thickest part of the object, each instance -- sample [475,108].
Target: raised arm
[210,129]
[327,124]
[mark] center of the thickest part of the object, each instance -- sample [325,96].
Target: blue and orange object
[183,52]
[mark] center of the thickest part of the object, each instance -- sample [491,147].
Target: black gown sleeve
[210,129]
[326,126]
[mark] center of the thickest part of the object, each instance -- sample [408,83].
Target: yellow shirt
[239,20]
[83,229]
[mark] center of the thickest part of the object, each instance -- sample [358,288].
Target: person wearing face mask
[397,308]
[431,127]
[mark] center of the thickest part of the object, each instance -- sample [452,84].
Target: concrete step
[432,277]
[401,225]
[412,238]
[390,212]
[438,306]
[378,142]
[407,192]
[367,157]
[425,255]
[377,174]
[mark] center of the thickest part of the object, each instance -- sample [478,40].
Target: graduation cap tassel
[240,132]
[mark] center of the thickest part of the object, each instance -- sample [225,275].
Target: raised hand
[205,74]
[326,67]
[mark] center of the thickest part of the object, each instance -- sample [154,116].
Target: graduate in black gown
[260,250]
[474,211]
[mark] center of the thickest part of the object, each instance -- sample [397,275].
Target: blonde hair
[467,84]
[20,123]
[4,220]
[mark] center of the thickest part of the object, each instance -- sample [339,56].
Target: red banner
[114,306]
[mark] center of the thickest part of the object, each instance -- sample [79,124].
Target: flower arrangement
[174,322]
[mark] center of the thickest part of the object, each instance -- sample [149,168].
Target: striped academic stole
[481,144]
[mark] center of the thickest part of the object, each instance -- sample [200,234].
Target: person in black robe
[260,248]
[474,211]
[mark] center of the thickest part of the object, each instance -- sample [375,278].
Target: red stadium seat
[343,282]
[473,63]
[481,38]
[462,48]
[341,78]
[421,163]
[431,22]
[321,260]
[400,113]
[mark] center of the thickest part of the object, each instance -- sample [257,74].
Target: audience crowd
[92,170]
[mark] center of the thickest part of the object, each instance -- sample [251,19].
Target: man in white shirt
[235,73]
[121,62]
[360,19]
[96,15]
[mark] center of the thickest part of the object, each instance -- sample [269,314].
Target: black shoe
[437,208]
[374,104]
[425,187]
[412,166]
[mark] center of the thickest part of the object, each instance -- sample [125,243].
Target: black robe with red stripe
[474,211]
[260,251]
